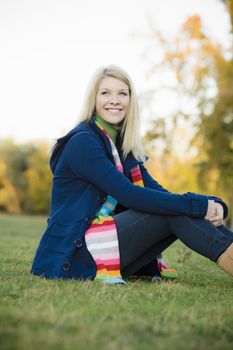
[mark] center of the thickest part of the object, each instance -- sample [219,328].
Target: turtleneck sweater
[112,130]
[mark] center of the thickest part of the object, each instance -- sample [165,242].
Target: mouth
[113,110]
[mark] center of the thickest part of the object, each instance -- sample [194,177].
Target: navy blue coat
[84,173]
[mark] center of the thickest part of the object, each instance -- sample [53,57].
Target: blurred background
[179,54]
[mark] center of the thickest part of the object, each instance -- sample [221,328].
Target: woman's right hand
[211,210]
[217,220]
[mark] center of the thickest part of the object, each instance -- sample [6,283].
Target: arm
[87,159]
[150,182]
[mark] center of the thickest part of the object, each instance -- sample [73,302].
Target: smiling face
[112,100]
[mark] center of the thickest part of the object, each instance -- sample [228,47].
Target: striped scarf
[101,237]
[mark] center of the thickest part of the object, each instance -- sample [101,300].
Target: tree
[8,196]
[216,130]
[16,159]
[25,177]
[201,83]
[38,182]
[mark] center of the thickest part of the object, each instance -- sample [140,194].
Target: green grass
[195,312]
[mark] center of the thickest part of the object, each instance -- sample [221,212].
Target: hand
[211,210]
[218,218]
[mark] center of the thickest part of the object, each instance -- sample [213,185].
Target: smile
[113,110]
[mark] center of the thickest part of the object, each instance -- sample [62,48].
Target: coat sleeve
[150,182]
[86,158]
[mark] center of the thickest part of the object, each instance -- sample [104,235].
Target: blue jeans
[143,236]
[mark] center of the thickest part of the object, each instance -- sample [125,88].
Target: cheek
[102,100]
[98,103]
[127,103]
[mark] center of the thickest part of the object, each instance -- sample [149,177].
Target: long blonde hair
[131,124]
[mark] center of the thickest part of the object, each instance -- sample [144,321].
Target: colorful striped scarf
[101,237]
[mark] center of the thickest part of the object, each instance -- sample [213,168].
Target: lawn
[194,312]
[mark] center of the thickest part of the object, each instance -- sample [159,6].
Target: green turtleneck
[112,130]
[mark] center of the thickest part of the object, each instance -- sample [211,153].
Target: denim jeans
[143,236]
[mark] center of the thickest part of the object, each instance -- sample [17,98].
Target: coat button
[66,266]
[88,220]
[78,243]
[101,197]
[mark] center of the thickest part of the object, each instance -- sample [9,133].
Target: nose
[114,99]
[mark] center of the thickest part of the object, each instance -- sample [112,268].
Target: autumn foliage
[25,177]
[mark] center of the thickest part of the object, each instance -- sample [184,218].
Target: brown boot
[225,261]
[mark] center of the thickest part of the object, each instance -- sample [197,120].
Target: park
[186,106]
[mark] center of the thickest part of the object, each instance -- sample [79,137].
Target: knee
[179,220]
[177,217]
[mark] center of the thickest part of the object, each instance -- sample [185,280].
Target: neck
[112,129]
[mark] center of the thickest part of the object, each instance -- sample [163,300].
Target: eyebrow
[110,89]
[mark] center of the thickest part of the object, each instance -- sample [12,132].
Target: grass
[195,312]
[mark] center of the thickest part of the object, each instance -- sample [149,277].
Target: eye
[124,93]
[104,93]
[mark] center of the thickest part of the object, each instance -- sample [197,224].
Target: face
[112,100]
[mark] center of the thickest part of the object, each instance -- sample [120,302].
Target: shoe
[165,271]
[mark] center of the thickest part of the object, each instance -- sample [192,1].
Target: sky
[51,48]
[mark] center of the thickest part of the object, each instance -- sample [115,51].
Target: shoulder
[82,128]
[83,134]
[84,141]
[75,140]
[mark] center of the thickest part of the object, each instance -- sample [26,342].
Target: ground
[193,312]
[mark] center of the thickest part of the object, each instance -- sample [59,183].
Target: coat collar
[128,163]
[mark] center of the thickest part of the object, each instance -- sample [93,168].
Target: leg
[143,236]
[200,235]
[225,230]
[216,242]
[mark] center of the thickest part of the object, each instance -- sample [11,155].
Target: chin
[115,120]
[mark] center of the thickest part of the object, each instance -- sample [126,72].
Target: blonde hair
[131,124]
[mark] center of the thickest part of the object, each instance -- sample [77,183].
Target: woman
[109,218]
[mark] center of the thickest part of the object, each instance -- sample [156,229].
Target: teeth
[113,110]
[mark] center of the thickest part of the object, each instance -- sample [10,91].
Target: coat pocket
[62,239]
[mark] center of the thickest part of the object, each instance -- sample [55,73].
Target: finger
[220,213]
[215,218]
[220,223]
[212,214]
[218,210]
[217,223]
[214,224]
[218,220]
